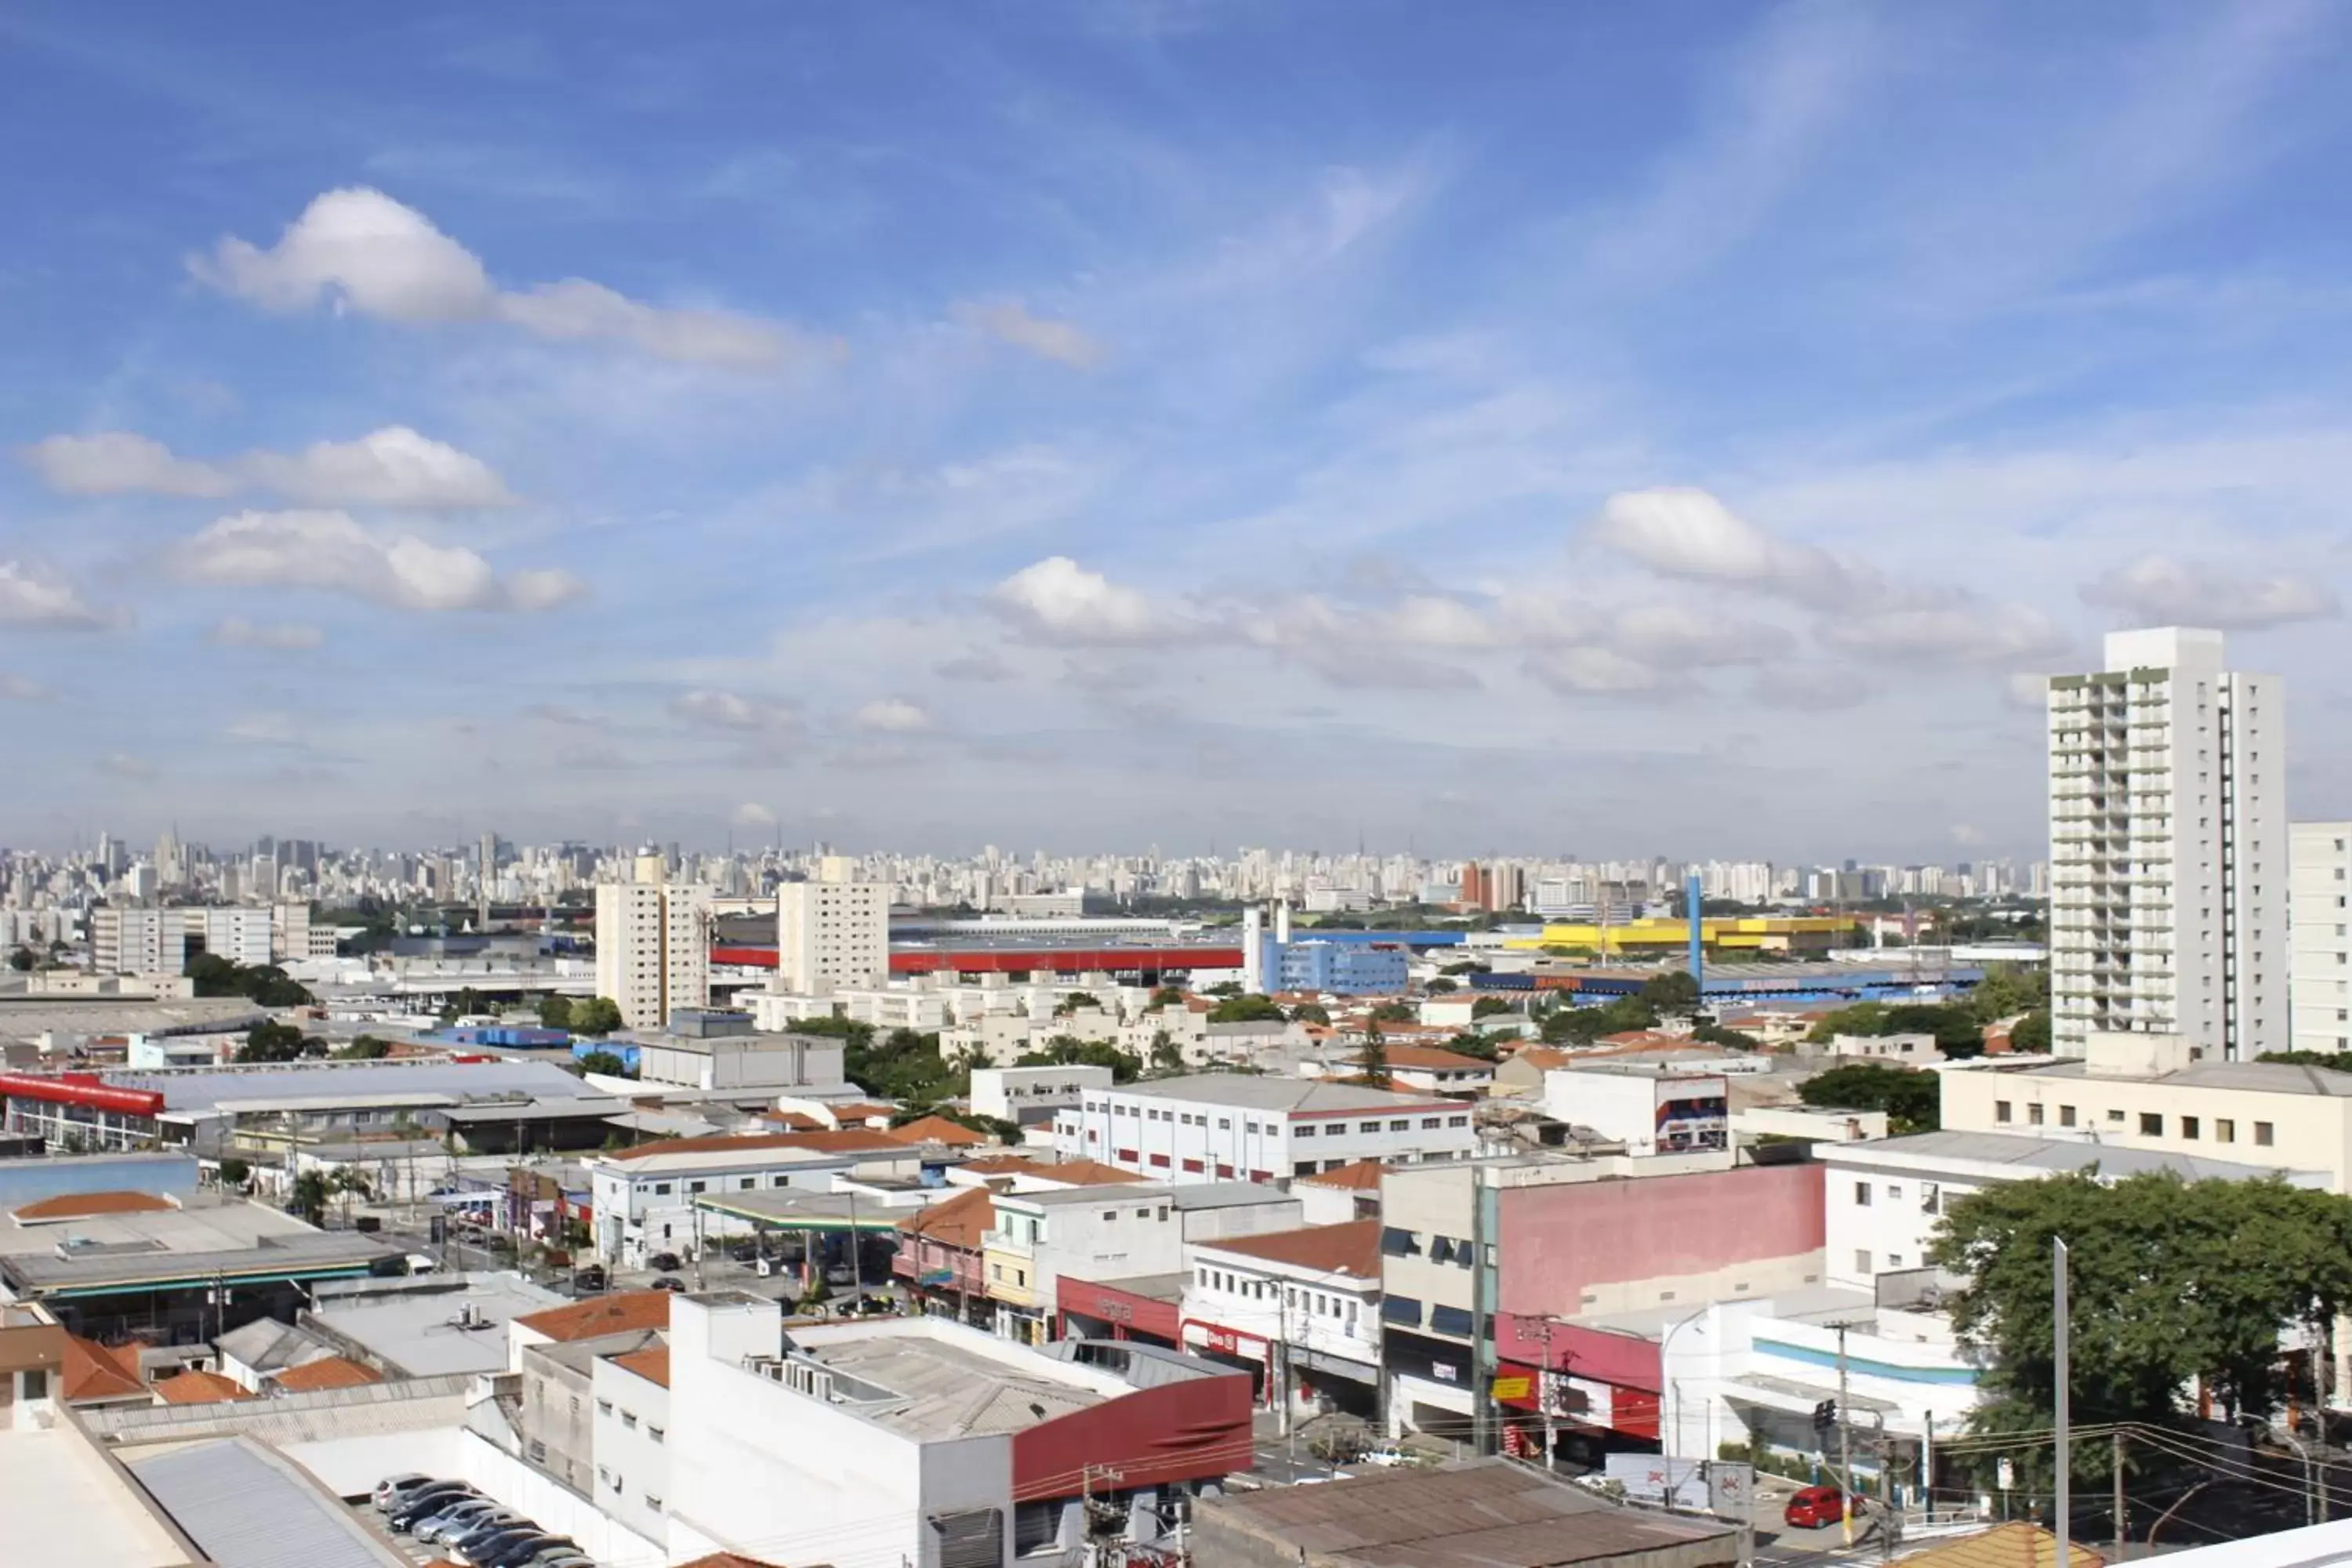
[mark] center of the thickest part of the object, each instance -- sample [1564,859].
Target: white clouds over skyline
[394,467]
[329,551]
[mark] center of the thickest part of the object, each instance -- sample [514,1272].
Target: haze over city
[1680,430]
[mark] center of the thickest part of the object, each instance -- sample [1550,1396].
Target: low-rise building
[630,1387]
[713,1050]
[644,1198]
[1299,1309]
[1030,1097]
[1229,1127]
[1650,1110]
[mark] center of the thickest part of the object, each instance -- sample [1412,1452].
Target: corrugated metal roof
[339,1083]
[247,1506]
[378,1409]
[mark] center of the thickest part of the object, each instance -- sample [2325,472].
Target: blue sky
[1676,429]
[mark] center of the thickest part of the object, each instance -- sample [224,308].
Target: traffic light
[1825,1414]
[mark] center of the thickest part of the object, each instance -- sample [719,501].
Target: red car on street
[1814,1506]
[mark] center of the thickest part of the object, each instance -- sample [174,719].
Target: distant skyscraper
[2168,849]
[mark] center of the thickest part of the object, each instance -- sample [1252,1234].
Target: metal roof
[327,1084]
[2046,1155]
[370,1410]
[247,1506]
[1254,1092]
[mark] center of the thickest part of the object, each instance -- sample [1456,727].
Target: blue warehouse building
[1343,969]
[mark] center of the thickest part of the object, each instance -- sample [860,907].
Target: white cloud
[1010,321]
[2167,591]
[726,711]
[1432,620]
[124,765]
[114,461]
[892,716]
[285,637]
[1059,601]
[752,813]
[371,254]
[2027,690]
[1962,632]
[1595,671]
[327,551]
[980,665]
[32,598]
[1688,534]
[393,467]
[265,729]
[1810,688]
[18,689]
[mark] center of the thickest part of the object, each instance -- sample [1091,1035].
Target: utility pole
[1542,1335]
[1846,1450]
[2118,1505]
[2062,1510]
[2319,1419]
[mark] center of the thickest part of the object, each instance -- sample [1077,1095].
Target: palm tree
[312,1191]
[346,1182]
[1167,1056]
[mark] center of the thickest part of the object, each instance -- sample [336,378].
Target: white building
[1300,1308]
[1027,1095]
[643,1198]
[1650,1110]
[1223,1127]
[630,1438]
[2320,860]
[652,945]
[831,934]
[723,1058]
[159,941]
[2168,849]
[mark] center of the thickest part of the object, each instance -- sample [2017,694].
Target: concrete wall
[632,1449]
[555,1507]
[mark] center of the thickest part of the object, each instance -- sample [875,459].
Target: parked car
[458,1543]
[391,1486]
[866,1307]
[461,1517]
[663,1262]
[1813,1507]
[521,1550]
[425,1501]
[669,1282]
[482,1547]
[841,1274]
[532,1554]
[591,1279]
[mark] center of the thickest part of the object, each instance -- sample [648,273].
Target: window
[2001,1110]
[1894,1260]
[1862,1260]
[1454,1321]
[2033,1113]
[629,1419]
[696,1186]
[746,1184]
[1225,1124]
[1400,1242]
[1368,1126]
[2262,1134]
[2065,1115]
[1402,1124]
[1109,1215]
[2151,1125]
[1458,1122]
[1302,1167]
[2189,1127]
[2115,1116]
[1402,1310]
[1429,1122]
[1861,1194]
[1931,1198]
[603,1406]
[656,1433]
[2225,1130]
[1303,1130]
[663,1189]
[653,1503]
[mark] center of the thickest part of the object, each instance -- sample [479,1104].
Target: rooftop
[935,1388]
[326,1372]
[1247,1091]
[1362,1177]
[201,1090]
[194,1387]
[653,1365]
[626,1312]
[1224,1195]
[69,1506]
[1070,1173]
[2261,1078]
[1351,1248]
[2045,1154]
[847,1140]
[209,1234]
[959,1221]
[2016,1544]
[249,1507]
[939,1129]
[94,1372]
[76,1206]
[431,1324]
[1487,1513]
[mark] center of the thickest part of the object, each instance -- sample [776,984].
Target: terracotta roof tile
[1363,1176]
[729,1560]
[628,1311]
[2016,1544]
[1351,1248]
[1069,1172]
[77,1205]
[652,1364]
[958,1221]
[939,1129]
[194,1387]
[91,1372]
[1431,1056]
[327,1371]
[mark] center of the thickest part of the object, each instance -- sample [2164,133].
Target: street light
[1673,1387]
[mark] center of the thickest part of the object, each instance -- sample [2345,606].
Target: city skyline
[1113,423]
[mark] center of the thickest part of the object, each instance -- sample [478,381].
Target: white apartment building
[831,935]
[1303,1305]
[159,941]
[643,1198]
[652,945]
[1223,1127]
[2320,880]
[1030,1095]
[629,1438]
[2168,849]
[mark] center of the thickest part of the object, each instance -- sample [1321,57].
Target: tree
[1222,988]
[1670,991]
[2173,1283]
[1913,1100]
[365,1049]
[605,1064]
[1463,969]
[235,1172]
[1310,1012]
[1375,1059]
[596,1015]
[1167,997]
[1859,1018]
[270,1042]
[1470,1043]
[310,1195]
[1488,1006]
[555,1012]
[1251,1009]
[1063,1048]
[1442,986]
[1074,1001]
[348,1183]
[2031,1034]
[2006,990]
[1167,1056]
[1729,1039]
[21,960]
[1394,1013]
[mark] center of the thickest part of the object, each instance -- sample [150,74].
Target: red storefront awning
[1106,1301]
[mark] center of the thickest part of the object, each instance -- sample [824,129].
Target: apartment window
[1429,1121]
[1397,1243]
[629,1419]
[1225,1124]
[1862,1260]
[1403,1311]
[662,1189]
[1861,1194]
[2189,1127]
[2065,1115]
[2115,1116]
[1931,1198]
[696,1186]
[2224,1130]
[657,1434]
[603,1406]
[2001,1110]
[1368,1126]
[2262,1134]
[1302,1167]
[1458,1122]
[1303,1130]
[746,1184]
[1402,1124]
[2151,1125]
[2033,1113]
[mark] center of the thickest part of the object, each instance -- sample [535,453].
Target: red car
[1814,1506]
